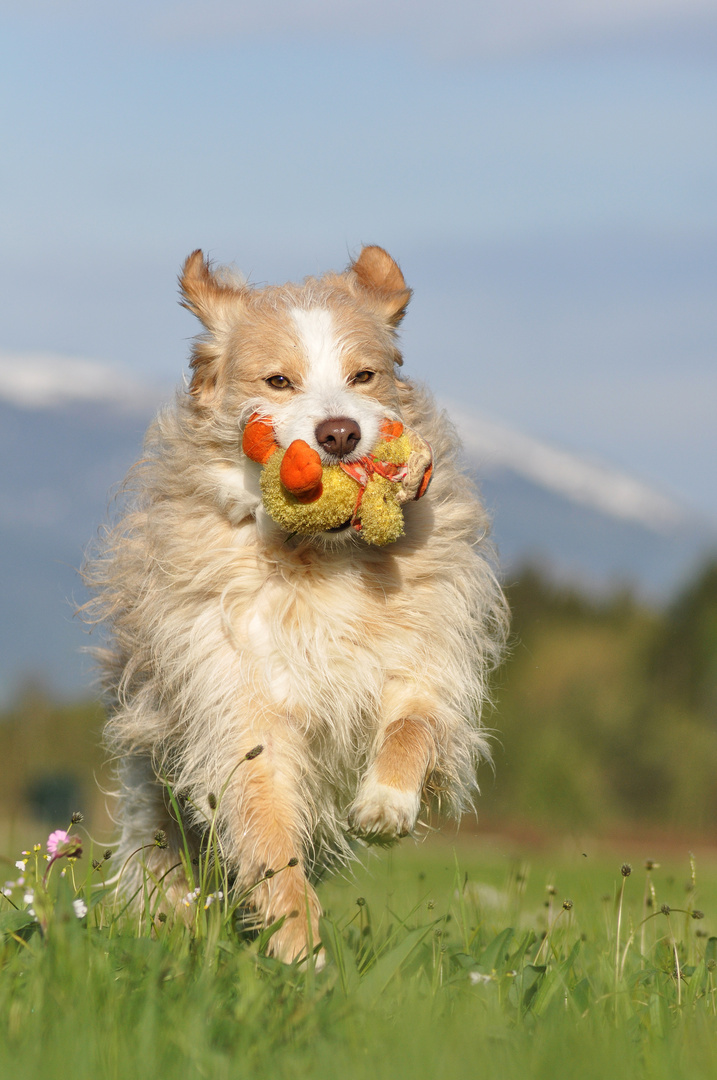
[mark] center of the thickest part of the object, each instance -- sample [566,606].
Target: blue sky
[546,173]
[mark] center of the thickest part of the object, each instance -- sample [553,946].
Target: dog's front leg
[267,833]
[388,801]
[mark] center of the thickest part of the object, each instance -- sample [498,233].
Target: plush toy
[304,496]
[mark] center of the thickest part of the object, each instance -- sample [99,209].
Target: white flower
[191,898]
[477,977]
[80,907]
[21,864]
[219,895]
[28,897]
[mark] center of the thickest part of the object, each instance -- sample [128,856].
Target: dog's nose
[338,436]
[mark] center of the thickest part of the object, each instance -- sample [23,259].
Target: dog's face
[319,359]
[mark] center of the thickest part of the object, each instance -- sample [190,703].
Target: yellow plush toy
[304,496]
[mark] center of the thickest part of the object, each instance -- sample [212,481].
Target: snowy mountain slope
[69,430]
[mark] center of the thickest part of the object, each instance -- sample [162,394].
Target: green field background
[568,930]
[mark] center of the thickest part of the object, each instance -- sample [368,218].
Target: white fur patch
[322,349]
[383,811]
[236,489]
[325,393]
[264,649]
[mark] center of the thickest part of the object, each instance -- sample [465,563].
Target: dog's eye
[363,376]
[279,381]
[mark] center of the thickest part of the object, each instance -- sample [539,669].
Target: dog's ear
[214,300]
[207,294]
[380,278]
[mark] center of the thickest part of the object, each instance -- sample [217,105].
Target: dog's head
[319,358]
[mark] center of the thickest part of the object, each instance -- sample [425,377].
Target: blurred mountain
[64,451]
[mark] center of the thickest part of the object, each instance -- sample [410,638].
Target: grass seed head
[77,817]
[626,869]
[160,838]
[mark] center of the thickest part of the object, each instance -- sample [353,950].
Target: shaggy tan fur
[360,670]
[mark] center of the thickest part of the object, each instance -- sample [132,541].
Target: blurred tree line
[606,714]
[607,710]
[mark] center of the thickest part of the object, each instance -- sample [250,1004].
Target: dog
[360,671]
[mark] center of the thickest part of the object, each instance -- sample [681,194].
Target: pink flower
[60,843]
[55,839]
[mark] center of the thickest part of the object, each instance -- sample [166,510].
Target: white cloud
[45,380]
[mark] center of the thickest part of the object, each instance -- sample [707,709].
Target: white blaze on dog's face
[302,355]
[329,387]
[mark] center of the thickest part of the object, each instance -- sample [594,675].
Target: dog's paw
[291,942]
[382,813]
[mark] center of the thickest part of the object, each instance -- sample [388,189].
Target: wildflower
[21,864]
[626,869]
[80,907]
[160,838]
[219,895]
[55,839]
[36,847]
[77,817]
[477,977]
[191,898]
[60,843]
[29,897]
[567,905]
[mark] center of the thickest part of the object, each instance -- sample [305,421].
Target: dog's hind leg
[153,845]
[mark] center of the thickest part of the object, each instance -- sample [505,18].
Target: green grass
[438,966]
